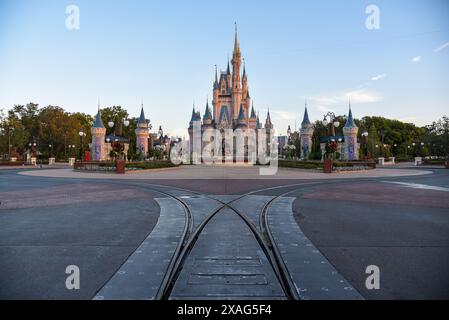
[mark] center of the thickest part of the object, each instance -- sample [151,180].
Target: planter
[51,161]
[71,161]
[327,166]
[13,159]
[120,166]
[381,161]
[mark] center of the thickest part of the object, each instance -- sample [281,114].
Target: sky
[163,53]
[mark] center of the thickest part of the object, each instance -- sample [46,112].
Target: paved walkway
[221,172]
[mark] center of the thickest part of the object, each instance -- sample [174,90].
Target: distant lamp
[126,123]
[110,123]
[365,134]
[325,123]
[336,124]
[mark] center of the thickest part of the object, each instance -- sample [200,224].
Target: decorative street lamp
[10,131]
[118,146]
[82,135]
[365,145]
[333,122]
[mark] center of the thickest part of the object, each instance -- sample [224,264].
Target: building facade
[232,107]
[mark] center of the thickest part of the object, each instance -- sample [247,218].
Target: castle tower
[98,132]
[242,121]
[252,122]
[207,118]
[142,134]
[306,134]
[236,82]
[350,146]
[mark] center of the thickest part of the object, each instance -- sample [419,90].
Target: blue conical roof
[350,121]
[142,117]
[253,113]
[98,122]
[192,118]
[207,114]
[241,113]
[306,119]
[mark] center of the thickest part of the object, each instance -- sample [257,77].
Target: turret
[242,123]
[253,118]
[207,118]
[236,62]
[142,134]
[98,132]
[244,83]
[306,134]
[350,131]
[268,123]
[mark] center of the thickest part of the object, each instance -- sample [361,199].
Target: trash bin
[120,166]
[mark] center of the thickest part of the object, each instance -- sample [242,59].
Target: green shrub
[300,164]
[153,164]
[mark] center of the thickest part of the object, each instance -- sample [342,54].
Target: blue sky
[164,52]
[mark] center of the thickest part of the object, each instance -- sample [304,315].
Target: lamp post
[117,143]
[333,122]
[82,135]
[10,131]
[365,144]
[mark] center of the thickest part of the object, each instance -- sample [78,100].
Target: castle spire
[350,121]
[142,116]
[306,120]
[98,122]
[253,113]
[236,41]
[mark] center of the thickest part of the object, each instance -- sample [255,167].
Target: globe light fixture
[325,123]
[365,134]
[81,133]
[126,122]
[110,123]
[336,124]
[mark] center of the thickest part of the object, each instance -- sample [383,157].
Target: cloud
[443,46]
[378,77]
[330,101]
[417,59]
[283,115]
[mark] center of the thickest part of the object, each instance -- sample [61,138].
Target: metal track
[264,239]
[189,237]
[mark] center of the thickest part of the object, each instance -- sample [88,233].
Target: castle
[232,106]
[102,145]
[348,147]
